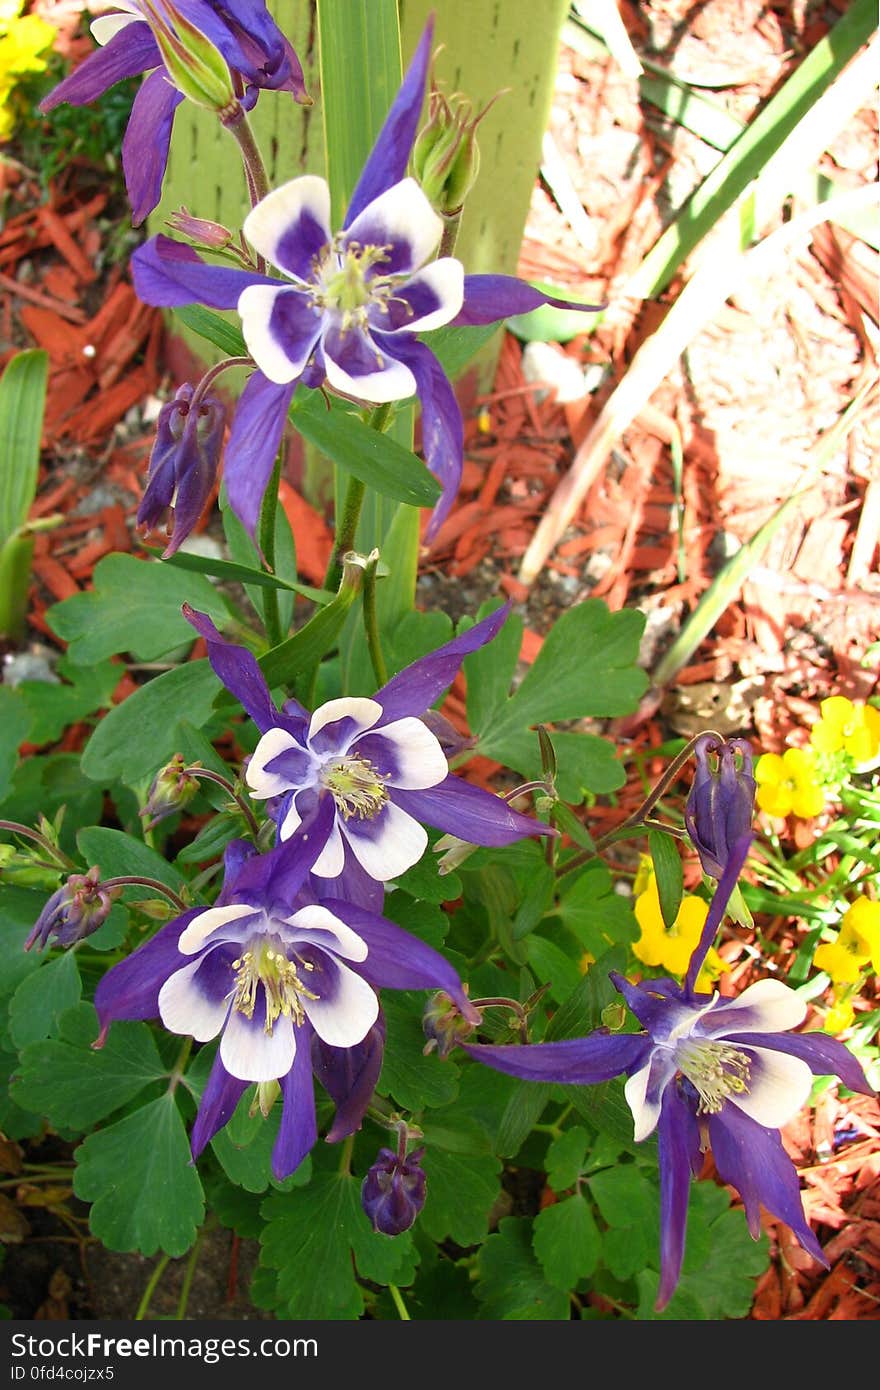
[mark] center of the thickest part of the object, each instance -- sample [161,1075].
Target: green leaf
[668,873]
[586,763]
[145,1194]
[138,736]
[625,1195]
[298,655]
[566,1158]
[135,606]
[243,574]
[15,723]
[455,346]
[586,667]
[490,670]
[213,329]
[413,1079]
[567,1241]
[42,785]
[460,1192]
[244,1148]
[118,855]
[522,1112]
[368,455]
[39,1001]
[319,1240]
[590,908]
[54,707]
[75,1086]
[627,1250]
[22,402]
[511,1285]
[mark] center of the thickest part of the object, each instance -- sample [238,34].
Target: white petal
[291,821]
[194,936]
[348,1018]
[420,760]
[772,1008]
[404,214]
[262,783]
[280,355]
[331,861]
[391,844]
[315,924]
[778,1087]
[395,382]
[363,712]
[645,1113]
[184,1008]
[272,219]
[106,26]
[446,278]
[250,1053]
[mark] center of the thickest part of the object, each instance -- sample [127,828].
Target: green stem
[60,858]
[345,1156]
[371,621]
[399,1304]
[127,880]
[208,775]
[153,1280]
[176,1076]
[268,512]
[350,511]
[189,1273]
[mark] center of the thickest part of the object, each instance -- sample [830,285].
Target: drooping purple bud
[393,1191]
[74,911]
[721,802]
[444,1025]
[172,788]
[211,235]
[183,464]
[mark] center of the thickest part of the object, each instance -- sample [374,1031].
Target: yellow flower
[673,948]
[849,727]
[841,1015]
[861,923]
[788,784]
[840,961]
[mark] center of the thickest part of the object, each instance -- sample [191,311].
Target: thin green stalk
[399,1304]
[152,1282]
[128,880]
[189,1274]
[350,511]
[371,621]
[208,775]
[176,1076]
[345,1156]
[16,828]
[268,512]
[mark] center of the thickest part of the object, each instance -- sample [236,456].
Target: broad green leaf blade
[294,659]
[413,1079]
[42,998]
[360,74]
[22,402]
[511,1285]
[567,1242]
[135,606]
[668,874]
[54,707]
[15,724]
[138,736]
[146,1196]
[118,855]
[243,574]
[375,459]
[213,328]
[74,1086]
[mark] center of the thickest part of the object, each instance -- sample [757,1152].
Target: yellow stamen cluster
[716,1070]
[356,786]
[340,275]
[283,989]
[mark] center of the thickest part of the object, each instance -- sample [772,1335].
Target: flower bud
[76,910]
[211,235]
[172,788]
[446,157]
[393,1191]
[444,1025]
[195,66]
[721,802]
[183,464]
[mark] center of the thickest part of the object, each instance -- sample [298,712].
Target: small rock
[34,665]
[546,363]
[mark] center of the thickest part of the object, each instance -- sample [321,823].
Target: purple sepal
[238,670]
[183,464]
[442,429]
[490,298]
[738,852]
[753,1160]
[386,164]
[353,885]
[571,1061]
[823,1055]
[469,812]
[349,1076]
[131,988]
[721,801]
[393,1191]
[254,440]
[129,52]
[217,1105]
[236,854]
[167,273]
[299,1127]
[274,879]
[260,53]
[414,689]
[678,1136]
[398,960]
[146,142]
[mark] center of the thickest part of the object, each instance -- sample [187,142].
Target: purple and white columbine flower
[287,980]
[705,1072]
[374,761]
[243,31]
[351,309]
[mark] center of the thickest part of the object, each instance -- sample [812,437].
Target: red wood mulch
[773,372]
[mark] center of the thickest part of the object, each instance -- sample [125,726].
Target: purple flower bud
[444,1025]
[393,1191]
[74,911]
[172,788]
[204,233]
[183,464]
[721,801]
